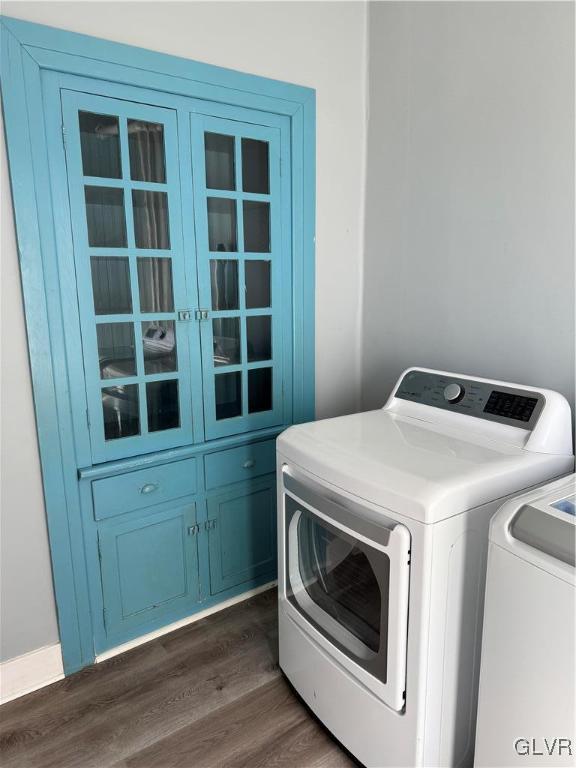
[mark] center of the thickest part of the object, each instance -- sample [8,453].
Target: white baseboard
[29,672]
[182,623]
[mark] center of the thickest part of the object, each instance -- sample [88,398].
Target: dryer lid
[424,471]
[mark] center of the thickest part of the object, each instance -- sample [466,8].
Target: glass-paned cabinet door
[236,175]
[124,189]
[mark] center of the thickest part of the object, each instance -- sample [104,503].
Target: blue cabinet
[183,327]
[242,534]
[164,554]
[141,361]
[149,567]
[184,341]
[240,258]
[165,221]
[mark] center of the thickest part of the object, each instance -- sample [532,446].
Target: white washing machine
[526,703]
[383,533]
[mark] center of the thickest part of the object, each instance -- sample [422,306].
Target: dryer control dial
[453,393]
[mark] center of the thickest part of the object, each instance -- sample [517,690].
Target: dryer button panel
[512,406]
[517,407]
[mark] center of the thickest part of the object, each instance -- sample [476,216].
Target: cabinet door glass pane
[259,338]
[255,175]
[159,342]
[111,285]
[135,268]
[116,350]
[100,145]
[219,161]
[259,390]
[222,224]
[121,411]
[256,227]
[224,284]
[146,143]
[150,219]
[155,284]
[228,392]
[162,405]
[240,263]
[257,275]
[105,217]
[226,339]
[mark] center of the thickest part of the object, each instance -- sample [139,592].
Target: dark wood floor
[210,694]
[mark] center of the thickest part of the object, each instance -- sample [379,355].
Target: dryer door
[347,579]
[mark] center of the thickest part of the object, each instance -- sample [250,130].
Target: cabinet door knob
[149,488]
[249,463]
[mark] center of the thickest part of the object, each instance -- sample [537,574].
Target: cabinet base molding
[182,622]
[30,672]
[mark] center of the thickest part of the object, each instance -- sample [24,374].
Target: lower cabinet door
[149,566]
[242,534]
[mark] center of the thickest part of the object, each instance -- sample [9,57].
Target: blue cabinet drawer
[242,463]
[136,490]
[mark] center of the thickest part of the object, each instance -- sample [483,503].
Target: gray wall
[329,40]
[27,611]
[469,240]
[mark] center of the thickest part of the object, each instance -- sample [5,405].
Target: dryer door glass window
[340,584]
[339,578]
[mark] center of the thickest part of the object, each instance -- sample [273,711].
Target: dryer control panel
[484,400]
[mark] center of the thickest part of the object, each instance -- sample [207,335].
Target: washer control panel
[493,402]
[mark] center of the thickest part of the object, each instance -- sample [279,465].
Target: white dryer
[383,532]
[527,697]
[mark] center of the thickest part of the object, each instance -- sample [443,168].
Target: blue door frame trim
[29,51]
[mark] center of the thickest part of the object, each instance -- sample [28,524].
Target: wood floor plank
[210,694]
[213,664]
[178,694]
[222,736]
[304,745]
[267,728]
